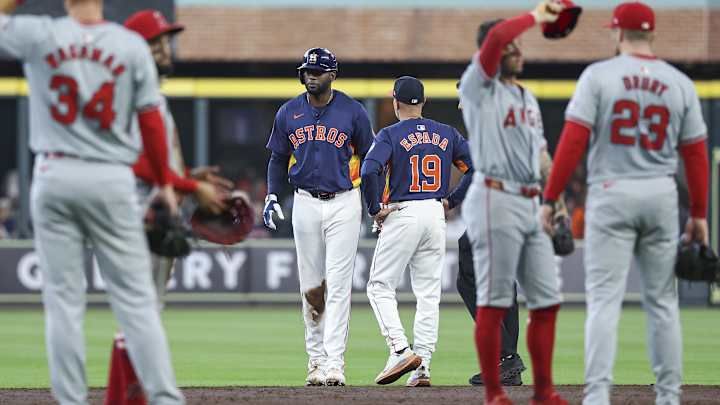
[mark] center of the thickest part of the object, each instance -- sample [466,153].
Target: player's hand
[547,11]
[211,198]
[446,206]
[547,214]
[382,215]
[272,206]
[210,175]
[696,229]
[167,196]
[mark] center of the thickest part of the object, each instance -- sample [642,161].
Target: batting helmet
[697,262]
[318,59]
[566,22]
[150,24]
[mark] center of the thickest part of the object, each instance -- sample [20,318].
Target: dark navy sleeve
[372,170]
[461,160]
[277,172]
[363,135]
[279,142]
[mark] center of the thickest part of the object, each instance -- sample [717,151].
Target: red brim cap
[151,24]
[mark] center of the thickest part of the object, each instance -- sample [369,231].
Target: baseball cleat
[335,377]
[511,368]
[316,376]
[554,399]
[420,377]
[397,365]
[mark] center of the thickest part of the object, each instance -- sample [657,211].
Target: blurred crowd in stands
[254,184]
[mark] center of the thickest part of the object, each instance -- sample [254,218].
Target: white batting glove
[272,206]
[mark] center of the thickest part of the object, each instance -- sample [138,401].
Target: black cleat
[511,368]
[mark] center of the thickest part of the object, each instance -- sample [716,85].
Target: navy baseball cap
[409,90]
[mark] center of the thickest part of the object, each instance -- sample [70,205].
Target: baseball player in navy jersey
[418,154]
[633,112]
[502,207]
[87,79]
[317,141]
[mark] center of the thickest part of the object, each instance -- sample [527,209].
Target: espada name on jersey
[73,52]
[418,138]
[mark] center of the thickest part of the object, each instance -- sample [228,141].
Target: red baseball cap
[633,16]
[150,24]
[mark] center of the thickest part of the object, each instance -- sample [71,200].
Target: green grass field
[264,346]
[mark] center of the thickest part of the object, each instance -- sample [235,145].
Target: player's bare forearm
[8,6]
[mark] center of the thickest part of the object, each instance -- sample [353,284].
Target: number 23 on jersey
[658,117]
[99,108]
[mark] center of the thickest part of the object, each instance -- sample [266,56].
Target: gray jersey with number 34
[639,110]
[86,81]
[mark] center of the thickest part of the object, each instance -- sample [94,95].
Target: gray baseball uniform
[639,110]
[162,266]
[86,82]
[506,139]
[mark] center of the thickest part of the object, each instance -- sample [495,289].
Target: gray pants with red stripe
[508,244]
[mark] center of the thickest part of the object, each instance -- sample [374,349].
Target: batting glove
[272,206]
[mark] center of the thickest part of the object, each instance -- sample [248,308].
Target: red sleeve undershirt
[572,146]
[144,171]
[695,158]
[152,130]
[573,143]
[498,37]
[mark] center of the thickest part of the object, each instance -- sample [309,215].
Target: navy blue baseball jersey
[325,144]
[418,154]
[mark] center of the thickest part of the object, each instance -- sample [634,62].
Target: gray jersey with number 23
[639,110]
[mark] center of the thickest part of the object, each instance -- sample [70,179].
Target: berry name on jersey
[83,52]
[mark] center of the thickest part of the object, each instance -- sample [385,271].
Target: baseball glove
[166,234]
[229,227]
[697,262]
[563,242]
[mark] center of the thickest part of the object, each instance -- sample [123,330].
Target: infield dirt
[626,394]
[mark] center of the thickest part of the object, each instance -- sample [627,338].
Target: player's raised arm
[497,38]
[20,35]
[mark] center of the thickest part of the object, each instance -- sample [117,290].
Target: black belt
[320,195]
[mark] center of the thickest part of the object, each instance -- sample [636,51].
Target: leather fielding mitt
[697,262]
[166,234]
[563,242]
[229,227]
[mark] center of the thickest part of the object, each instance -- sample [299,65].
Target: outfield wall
[255,271]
